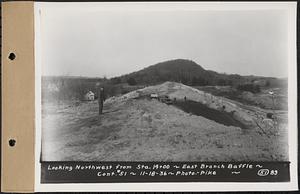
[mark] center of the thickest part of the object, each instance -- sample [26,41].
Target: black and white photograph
[164,83]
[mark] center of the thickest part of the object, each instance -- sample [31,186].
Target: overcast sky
[84,42]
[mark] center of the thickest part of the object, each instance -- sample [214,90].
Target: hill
[180,70]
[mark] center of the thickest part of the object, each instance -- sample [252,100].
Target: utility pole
[100,94]
[272,96]
[274,116]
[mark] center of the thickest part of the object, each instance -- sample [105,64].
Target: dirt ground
[149,130]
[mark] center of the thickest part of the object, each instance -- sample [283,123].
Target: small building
[154,95]
[52,87]
[89,96]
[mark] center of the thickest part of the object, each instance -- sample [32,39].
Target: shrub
[270,115]
[131,81]
[249,88]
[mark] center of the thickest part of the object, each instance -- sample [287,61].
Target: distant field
[261,99]
[74,88]
[68,88]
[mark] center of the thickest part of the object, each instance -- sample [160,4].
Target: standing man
[101,97]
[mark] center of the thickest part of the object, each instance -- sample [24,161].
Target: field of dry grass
[261,99]
[148,130]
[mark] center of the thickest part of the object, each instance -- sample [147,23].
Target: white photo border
[291,7]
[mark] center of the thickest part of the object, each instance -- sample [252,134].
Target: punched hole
[11,56]
[12,142]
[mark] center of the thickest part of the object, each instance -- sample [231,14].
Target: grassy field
[148,130]
[261,99]
[74,88]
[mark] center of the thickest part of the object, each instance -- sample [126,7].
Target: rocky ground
[135,128]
